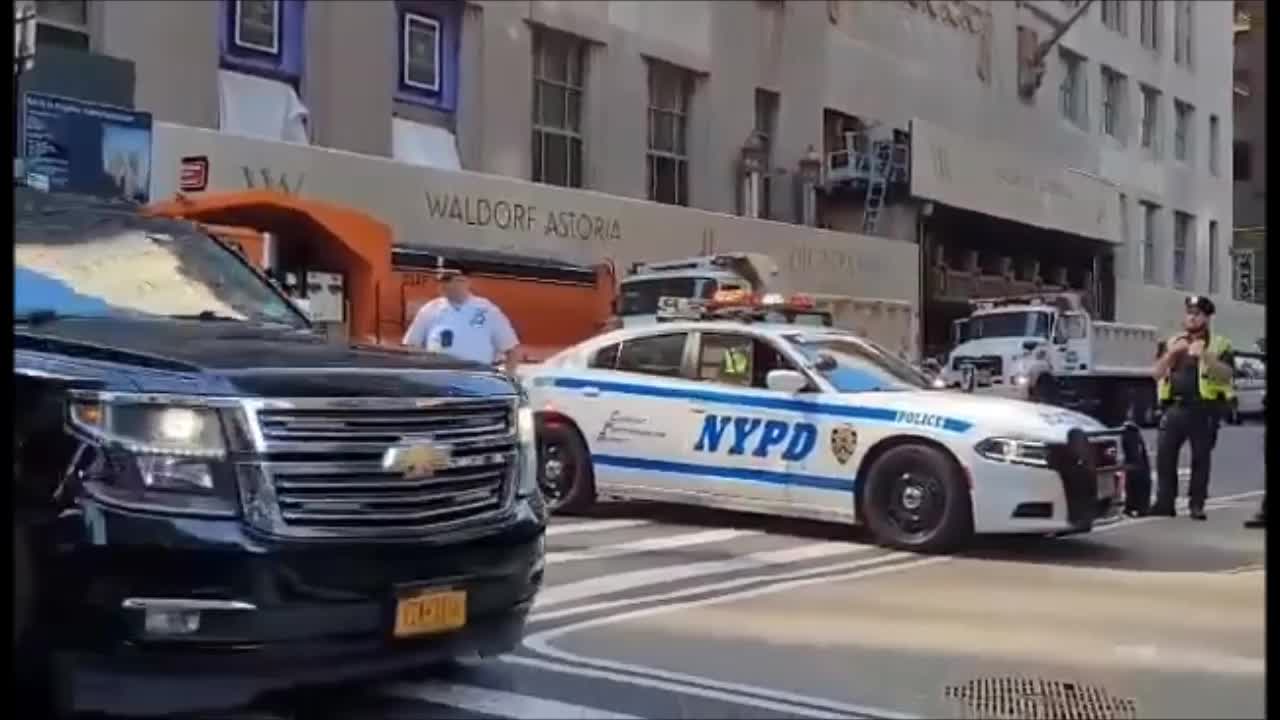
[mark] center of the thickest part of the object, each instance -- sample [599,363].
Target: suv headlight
[526,436]
[1023,452]
[174,448]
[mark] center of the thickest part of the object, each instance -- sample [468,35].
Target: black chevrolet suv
[212,501]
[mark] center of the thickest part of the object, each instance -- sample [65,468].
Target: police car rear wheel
[916,500]
[564,470]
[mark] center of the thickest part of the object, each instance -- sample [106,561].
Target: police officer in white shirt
[464,326]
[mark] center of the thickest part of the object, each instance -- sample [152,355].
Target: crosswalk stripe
[617,582]
[647,545]
[594,526]
[499,703]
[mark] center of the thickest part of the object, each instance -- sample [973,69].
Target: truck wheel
[915,499]
[564,469]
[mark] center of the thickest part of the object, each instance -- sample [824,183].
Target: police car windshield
[859,365]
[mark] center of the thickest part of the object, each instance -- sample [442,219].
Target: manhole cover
[1026,698]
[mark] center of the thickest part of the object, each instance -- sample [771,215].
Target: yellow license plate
[431,612]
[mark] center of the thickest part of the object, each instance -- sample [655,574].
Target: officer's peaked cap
[1201,303]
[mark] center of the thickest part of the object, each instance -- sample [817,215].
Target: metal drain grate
[1028,698]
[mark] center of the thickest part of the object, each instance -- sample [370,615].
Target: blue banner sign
[83,147]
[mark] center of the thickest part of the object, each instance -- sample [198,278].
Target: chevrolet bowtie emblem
[422,460]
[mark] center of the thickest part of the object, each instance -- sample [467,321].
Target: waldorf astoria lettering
[522,217]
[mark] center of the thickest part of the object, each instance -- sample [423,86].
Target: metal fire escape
[873,165]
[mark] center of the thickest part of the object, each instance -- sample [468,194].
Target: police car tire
[582,493]
[956,524]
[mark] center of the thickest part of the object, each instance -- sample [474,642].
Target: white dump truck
[889,323]
[1046,348]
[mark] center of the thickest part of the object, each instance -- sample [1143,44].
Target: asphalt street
[653,611]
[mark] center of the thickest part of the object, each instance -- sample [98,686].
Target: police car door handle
[591,391]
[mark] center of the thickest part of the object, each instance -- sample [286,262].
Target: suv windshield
[640,297]
[1009,324]
[852,364]
[86,258]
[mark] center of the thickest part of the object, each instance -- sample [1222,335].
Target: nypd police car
[811,422]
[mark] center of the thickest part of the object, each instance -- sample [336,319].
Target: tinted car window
[606,358]
[655,355]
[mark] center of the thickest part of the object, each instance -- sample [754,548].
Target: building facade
[1249,151]
[1116,142]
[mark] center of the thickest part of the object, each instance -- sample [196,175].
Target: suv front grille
[324,464]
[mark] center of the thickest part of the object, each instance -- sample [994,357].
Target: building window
[1113,15]
[1113,103]
[1072,92]
[1182,131]
[1213,257]
[670,89]
[1150,122]
[1182,32]
[765,127]
[426,37]
[559,75]
[1149,217]
[257,26]
[62,23]
[1215,151]
[1149,24]
[1181,242]
[264,38]
[1242,161]
[420,52]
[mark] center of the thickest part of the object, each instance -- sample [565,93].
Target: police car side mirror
[787,381]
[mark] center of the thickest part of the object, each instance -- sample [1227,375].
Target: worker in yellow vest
[736,365]
[1194,375]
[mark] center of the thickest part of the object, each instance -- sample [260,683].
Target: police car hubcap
[912,497]
[555,474]
[553,469]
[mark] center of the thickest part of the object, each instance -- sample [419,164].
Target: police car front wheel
[916,499]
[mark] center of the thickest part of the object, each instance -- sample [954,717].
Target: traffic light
[1244,276]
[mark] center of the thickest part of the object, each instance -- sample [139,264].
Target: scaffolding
[869,164]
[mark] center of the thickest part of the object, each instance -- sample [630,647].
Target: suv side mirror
[787,381]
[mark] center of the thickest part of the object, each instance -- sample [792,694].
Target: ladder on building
[881,158]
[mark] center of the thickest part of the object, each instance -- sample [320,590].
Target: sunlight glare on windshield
[131,271]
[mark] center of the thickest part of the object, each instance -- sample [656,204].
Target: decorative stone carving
[963,14]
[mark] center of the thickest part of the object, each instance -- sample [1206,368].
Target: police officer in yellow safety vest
[1194,374]
[736,365]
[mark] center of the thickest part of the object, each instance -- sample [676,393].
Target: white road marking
[500,703]
[737,693]
[1194,660]
[647,545]
[556,613]
[594,526]
[617,582]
